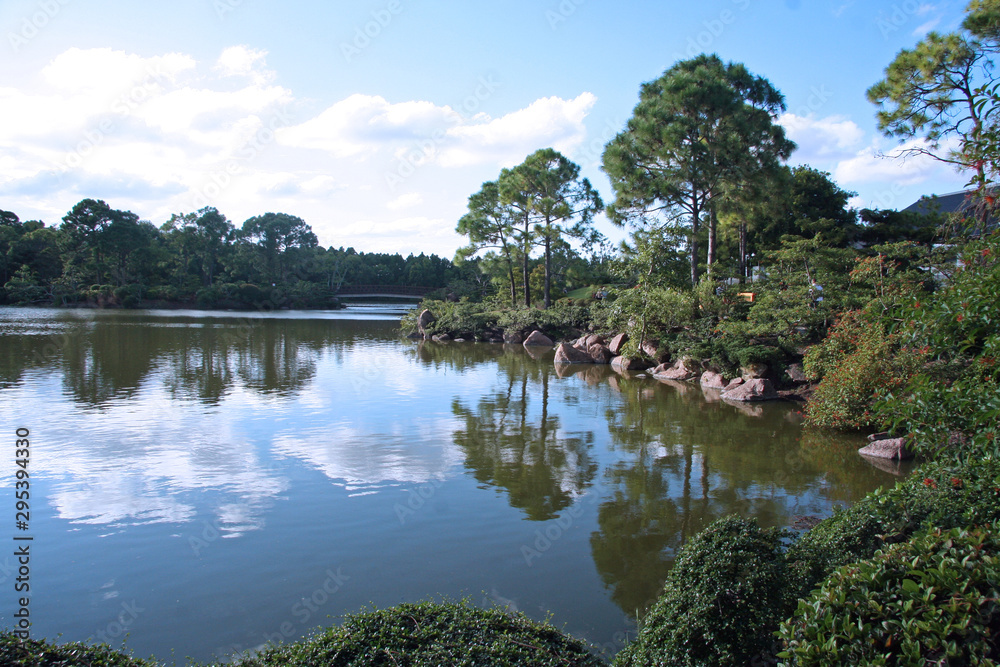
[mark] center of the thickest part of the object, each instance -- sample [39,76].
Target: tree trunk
[743,251]
[513,285]
[524,264]
[695,214]
[548,268]
[713,223]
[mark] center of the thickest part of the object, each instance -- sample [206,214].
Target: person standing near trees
[815,293]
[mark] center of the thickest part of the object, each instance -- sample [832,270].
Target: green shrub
[23,288]
[936,494]
[721,601]
[859,363]
[951,408]
[41,653]
[930,601]
[416,635]
[250,294]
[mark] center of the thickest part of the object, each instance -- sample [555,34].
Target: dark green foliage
[937,494]
[16,652]
[720,602]
[930,601]
[951,408]
[415,635]
[859,363]
[473,320]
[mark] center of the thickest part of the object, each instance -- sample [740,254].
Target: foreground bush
[40,653]
[932,600]
[938,495]
[720,603]
[429,634]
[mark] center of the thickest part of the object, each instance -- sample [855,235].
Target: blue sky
[375,120]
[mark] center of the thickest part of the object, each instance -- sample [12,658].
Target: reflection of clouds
[417,452]
[149,460]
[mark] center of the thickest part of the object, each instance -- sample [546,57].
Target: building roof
[954,202]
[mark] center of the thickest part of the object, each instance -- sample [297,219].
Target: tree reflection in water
[513,441]
[691,461]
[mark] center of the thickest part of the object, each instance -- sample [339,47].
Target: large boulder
[733,384]
[594,339]
[796,374]
[538,338]
[710,380]
[683,369]
[889,448]
[600,353]
[651,350]
[424,320]
[568,354]
[754,371]
[617,343]
[621,364]
[752,390]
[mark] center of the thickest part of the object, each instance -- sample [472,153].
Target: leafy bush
[933,600]
[23,288]
[859,363]
[720,603]
[41,653]
[952,407]
[936,494]
[563,319]
[653,309]
[421,634]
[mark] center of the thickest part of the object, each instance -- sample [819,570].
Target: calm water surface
[206,481]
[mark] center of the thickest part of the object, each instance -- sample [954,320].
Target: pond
[207,481]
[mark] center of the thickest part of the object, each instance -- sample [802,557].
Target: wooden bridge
[382,292]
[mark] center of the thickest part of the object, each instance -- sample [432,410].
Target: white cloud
[362,124]
[923,29]
[820,139]
[548,122]
[242,61]
[167,134]
[891,166]
[409,200]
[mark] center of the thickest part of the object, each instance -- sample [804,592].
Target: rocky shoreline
[755,382]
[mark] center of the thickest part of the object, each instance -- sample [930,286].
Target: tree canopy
[702,126]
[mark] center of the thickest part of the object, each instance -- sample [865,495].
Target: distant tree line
[103,256]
